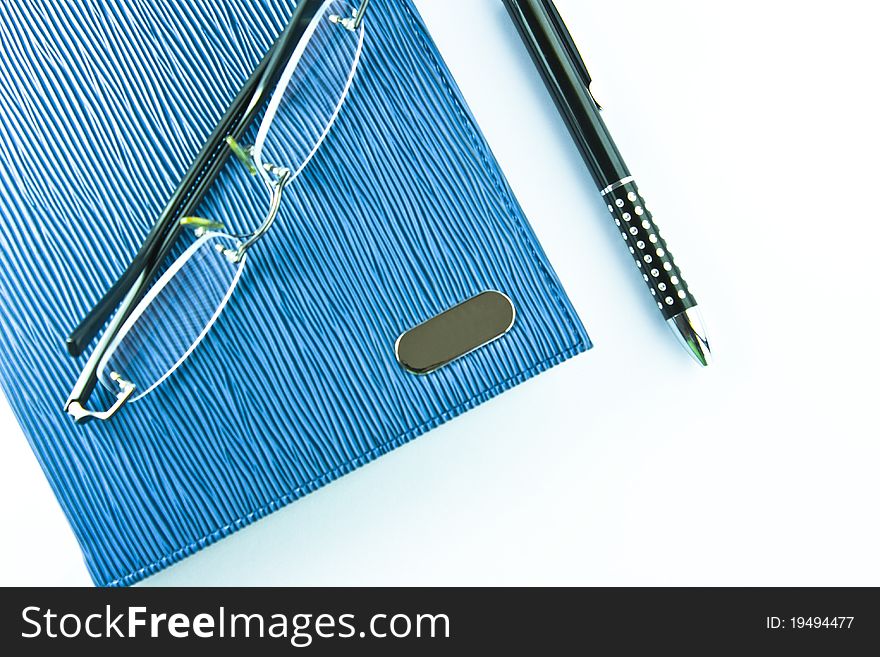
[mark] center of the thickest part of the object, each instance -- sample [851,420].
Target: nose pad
[244,154]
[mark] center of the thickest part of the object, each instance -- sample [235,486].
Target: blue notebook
[402,214]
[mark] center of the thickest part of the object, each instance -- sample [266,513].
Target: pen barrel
[557,59]
[648,249]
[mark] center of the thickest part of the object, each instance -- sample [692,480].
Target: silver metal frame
[73,406]
[276,179]
[276,188]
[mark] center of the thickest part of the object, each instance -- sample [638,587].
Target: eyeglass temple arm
[131,285]
[204,170]
[197,180]
[89,326]
[88,379]
[133,282]
[81,414]
[361,12]
[189,194]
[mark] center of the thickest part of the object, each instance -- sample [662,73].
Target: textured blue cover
[401,215]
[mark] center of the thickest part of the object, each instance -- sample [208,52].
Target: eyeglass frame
[134,283]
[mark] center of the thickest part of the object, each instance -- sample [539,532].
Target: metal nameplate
[455,332]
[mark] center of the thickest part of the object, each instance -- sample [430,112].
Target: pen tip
[691,333]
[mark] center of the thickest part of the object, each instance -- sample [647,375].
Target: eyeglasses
[157,327]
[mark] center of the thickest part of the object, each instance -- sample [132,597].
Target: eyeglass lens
[185,302]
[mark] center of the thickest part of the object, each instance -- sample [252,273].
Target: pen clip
[571,48]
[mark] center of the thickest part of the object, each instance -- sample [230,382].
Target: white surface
[752,130]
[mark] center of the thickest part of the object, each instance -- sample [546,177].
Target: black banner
[438,621]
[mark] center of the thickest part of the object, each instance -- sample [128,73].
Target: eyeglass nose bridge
[276,187]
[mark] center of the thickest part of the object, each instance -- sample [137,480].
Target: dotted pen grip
[648,249]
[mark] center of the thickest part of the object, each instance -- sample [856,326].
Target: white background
[751,127]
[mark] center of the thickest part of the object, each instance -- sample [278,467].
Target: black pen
[568,80]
